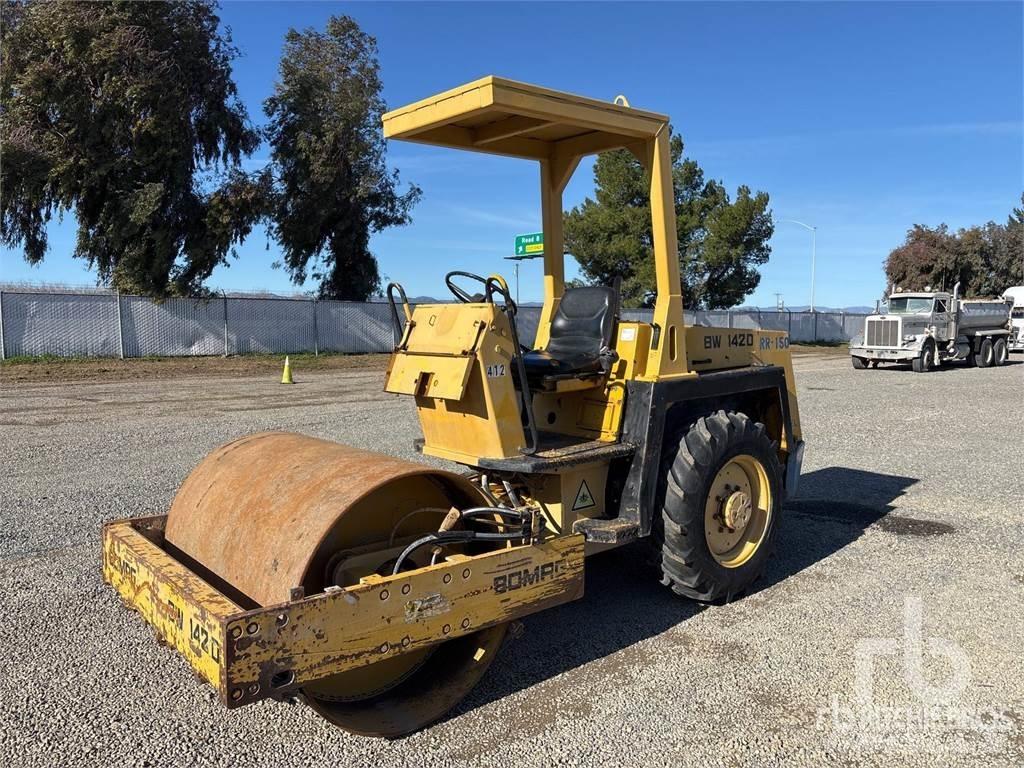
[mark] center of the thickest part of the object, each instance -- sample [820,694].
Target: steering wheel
[461,294]
[495,284]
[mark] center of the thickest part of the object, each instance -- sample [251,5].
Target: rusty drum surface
[276,510]
[264,511]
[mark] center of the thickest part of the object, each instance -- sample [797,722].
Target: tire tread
[682,558]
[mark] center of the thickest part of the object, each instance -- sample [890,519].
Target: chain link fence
[802,327]
[69,324]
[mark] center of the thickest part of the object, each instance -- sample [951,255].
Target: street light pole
[814,250]
[518,259]
[814,260]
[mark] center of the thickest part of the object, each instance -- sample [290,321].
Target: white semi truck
[1015,298]
[930,328]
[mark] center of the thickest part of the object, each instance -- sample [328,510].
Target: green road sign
[530,245]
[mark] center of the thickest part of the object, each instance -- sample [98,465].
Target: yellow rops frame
[505,117]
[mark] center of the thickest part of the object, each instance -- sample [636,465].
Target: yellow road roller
[379,591]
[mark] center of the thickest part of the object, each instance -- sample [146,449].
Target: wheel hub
[736,510]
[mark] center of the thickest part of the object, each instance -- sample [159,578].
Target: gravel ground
[903,551]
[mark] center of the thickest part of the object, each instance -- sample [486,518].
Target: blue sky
[861,119]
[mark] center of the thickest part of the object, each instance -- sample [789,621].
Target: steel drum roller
[273,511]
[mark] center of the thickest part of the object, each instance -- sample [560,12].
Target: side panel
[281,647]
[573,493]
[186,612]
[596,413]
[718,349]
[457,360]
[251,655]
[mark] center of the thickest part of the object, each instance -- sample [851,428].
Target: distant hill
[858,310]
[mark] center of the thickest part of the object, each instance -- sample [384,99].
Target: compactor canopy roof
[556,129]
[506,117]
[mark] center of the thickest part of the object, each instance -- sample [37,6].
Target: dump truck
[378,591]
[1014,297]
[930,328]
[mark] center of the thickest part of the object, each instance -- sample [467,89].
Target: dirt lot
[887,630]
[110,369]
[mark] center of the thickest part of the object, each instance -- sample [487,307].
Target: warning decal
[583,498]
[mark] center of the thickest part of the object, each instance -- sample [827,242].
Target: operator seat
[582,333]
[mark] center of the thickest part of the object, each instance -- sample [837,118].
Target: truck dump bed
[983,313]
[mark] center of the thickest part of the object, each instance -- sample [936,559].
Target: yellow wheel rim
[737,511]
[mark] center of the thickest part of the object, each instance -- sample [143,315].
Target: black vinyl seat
[583,326]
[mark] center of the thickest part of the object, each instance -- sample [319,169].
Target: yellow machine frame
[557,130]
[590,486]
[248,655]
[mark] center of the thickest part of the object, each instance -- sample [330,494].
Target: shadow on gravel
[834,507]
[624,604]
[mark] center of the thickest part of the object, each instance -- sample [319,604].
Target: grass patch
[46,368]
[254,357]
[33,359]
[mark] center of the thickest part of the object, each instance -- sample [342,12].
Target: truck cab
[924,314]
[928,328]
[897,334]
[1014,297]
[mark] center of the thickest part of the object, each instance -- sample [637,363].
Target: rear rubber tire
[985,354]
[689,470]
[926,360]
[859,363]
[1000,354]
